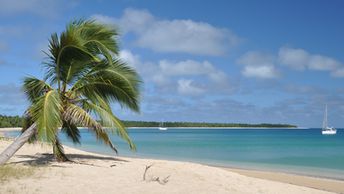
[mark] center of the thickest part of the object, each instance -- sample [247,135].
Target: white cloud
[105,19]
[182,36]
[166,75]
[300,59]
[129,58]
[294,58]
[318,62]
[134,20]
[264,72]
[160,79]
[146,69]
[191,67]
[258,65]
[187,87]
[253,58]
[187,67]
[202,73]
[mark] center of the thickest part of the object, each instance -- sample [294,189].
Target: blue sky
[214,61]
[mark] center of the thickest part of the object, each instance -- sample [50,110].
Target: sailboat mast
[325,118]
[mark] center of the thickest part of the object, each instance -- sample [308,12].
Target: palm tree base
[58,152]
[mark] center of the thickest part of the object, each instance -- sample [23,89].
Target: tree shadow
[49,159]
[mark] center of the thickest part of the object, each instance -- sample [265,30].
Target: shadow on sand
[48,159]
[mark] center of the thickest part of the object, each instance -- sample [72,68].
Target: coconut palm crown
[82,76]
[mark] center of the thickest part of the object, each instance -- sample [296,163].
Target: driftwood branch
[157,179]
[144,174]
[163,181]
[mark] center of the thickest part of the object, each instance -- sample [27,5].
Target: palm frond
[81,43]
[35,88]
[78,116]
[46,112]
[99,34]
[115,82]
[72,131]
[110,120]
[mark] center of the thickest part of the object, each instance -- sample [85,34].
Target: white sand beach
[94,173]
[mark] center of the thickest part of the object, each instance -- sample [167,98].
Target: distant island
[204,124]
[17,121]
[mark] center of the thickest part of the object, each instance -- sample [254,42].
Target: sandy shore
[94,173]
[312,182]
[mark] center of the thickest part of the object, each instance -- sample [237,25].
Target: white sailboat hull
[163,128]
[329,132]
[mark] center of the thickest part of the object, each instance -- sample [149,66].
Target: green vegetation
[9,172]
[15,121]
[195,124]
[11,121]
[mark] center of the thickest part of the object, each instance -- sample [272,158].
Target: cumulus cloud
[180,36]
[294,58]
[265,72]
[191,67]
[187,87]
[195,76]
[318,62]
[130,58]
[300,59]
[258,65]
[261,65]
[203,73]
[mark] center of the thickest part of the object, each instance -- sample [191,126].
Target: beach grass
[8,172]
[5,138]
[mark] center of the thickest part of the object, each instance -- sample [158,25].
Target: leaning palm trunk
[17,144]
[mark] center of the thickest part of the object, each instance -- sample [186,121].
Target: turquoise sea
[300,151]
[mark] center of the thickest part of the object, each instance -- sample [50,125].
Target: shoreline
[326,184]
[278,171]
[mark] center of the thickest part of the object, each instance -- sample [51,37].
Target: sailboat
[326,130]
[161,126]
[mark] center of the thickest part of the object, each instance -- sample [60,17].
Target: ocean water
[300,151]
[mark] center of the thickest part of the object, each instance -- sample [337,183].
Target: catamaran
[326,130]
[161,126]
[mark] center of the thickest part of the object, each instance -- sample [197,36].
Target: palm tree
[83,75]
